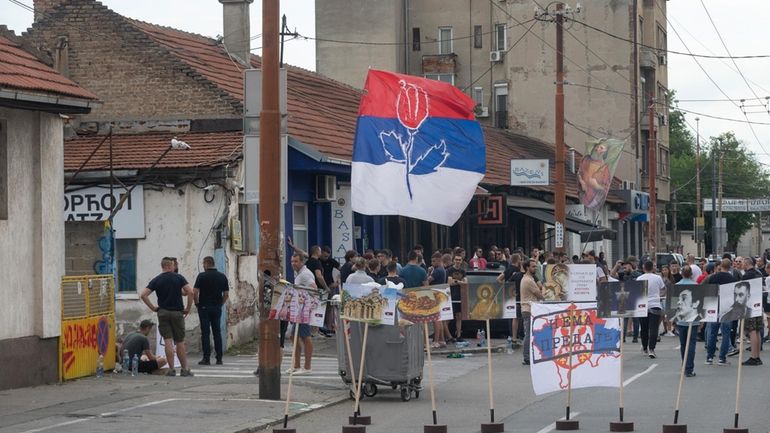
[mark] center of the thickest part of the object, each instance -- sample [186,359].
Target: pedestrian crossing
[325,369]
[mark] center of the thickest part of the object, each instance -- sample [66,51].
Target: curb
[500,348]
[311,408]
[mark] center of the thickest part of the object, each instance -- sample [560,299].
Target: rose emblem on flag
[411,106]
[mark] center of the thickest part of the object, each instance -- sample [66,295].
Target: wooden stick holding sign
[291,375]
[566,423]
[360,373]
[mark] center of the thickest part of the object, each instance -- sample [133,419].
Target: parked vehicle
[666,258]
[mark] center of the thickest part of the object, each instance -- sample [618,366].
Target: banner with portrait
[485,299]
[296,304]
[741,300]
[595,359]
[693,302]
[573,283]
[622,299]
[596,171]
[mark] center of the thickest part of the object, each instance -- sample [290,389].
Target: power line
[666,50]
[723,118]
[503,56]
[597,56]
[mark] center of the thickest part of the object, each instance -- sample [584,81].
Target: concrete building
[33,100]
[505,59]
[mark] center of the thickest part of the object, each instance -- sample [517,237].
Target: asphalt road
[708,400]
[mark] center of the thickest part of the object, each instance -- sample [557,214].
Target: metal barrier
[87,325]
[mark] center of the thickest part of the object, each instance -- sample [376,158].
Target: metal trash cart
[394,357]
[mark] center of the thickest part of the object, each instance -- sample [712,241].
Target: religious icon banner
[622,299]
[596,171]
[574,283]
[595,359]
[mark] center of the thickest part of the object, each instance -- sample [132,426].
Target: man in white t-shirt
[651,323]
[696,270]
[302,278]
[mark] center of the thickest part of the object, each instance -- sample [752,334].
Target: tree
[743,176]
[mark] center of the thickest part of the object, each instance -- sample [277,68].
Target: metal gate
[87,325]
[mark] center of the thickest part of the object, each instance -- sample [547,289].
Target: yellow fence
[87,325]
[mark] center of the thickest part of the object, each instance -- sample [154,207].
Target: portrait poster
[484,298]
[740,300]
[622,299]
[581,284]
[595,347]
[297,305]
[370,303]
[556,282]
[693,302]
[425,304]
[596,171]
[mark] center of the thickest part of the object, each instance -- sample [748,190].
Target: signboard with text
[529,172]
[342,224]
[95,204]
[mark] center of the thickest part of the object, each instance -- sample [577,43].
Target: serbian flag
[418,151]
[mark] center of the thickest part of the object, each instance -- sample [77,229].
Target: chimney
[44,7]
[61,58]
[237,37]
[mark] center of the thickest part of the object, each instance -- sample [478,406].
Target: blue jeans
[210,317]
[711,339]
[689,363]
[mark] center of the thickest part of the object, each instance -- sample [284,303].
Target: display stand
[435,427]
[566,423]
[621,425]
[676,427]
[735,428]
[285,429]
[492,426]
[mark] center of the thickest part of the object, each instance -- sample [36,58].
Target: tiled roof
[322,111]
[140,151]
[22,71]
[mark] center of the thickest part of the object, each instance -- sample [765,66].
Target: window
[641,30]
[125,262]
[500,37]
[477,37]
[478,95]
[663,162]
[643,150]
[416,39]
[661,99]
[299,228]
[3,169]
[447,78]
[501,105]
[660,40]
[445,40]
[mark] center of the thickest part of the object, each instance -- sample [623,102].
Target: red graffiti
[80,336]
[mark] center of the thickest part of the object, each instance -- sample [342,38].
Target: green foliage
[743,176]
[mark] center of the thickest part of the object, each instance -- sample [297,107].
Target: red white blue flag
[418,151]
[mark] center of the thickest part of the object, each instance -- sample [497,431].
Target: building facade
[505,59]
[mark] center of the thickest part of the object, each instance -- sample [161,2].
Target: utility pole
[721,190]
[269,200]
[652,232]
[560,202]
[675,237]
[698,205]
[714,231]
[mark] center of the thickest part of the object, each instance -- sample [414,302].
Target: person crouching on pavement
[137,344]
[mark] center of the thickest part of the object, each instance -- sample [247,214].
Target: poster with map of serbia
[595,351]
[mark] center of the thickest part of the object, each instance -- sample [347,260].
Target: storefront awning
[587,232]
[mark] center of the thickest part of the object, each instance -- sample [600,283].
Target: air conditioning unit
[482,112]
[628,184]
[325,188]
[662,59]
[495,56]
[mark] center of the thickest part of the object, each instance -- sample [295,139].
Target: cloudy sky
[742,25]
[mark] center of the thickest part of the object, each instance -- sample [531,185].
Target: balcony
[439,64]
[648,58]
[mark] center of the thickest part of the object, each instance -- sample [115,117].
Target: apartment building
[499,54]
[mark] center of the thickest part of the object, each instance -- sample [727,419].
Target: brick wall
[134,77]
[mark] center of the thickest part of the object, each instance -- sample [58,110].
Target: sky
[743,29]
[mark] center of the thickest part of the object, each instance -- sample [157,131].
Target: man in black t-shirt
[211,292]
[328,265]
[513,275]
[169,288]
[456,276]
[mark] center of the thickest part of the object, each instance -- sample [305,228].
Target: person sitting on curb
[137,344]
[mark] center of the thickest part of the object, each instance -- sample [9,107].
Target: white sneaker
[291,370]
[669,334]
[303,371]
